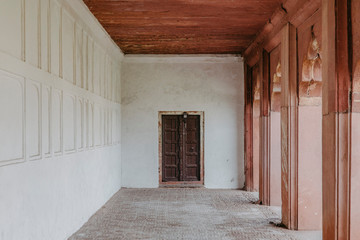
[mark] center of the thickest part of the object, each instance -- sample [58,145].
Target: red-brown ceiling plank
[182,26]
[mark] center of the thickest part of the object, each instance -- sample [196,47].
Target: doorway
[181,148]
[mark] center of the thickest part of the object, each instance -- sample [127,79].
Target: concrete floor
[186,214]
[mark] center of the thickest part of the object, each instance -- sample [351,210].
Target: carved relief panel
[355,11]
[256,83]
[275,79]
[310,61]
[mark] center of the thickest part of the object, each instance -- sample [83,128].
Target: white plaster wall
[60,153]
[213,84]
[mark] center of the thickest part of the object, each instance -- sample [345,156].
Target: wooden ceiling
[183,26]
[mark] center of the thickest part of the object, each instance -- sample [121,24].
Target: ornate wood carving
[292,11]
[309,61]
[275,74]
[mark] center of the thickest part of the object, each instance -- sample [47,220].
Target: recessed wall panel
[12,118]
[106,126]
[97,71]
[113,81]
[44,34]
[110,119]
[86,124]
[85,60]
[80,124]
[102,126]
[102,73]
[69,124]
[32,31]
[11,27]
[68,46]
[46,118]
[91,125]
[114,127]
[90,64]
[79,56]
[33,120]
[97,125]
[55,36]
[56,121]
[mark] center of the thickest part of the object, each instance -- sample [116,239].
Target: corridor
[186,214]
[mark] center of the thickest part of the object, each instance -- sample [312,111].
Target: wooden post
[264,189]
[341,168]
[289,186]
[248,129]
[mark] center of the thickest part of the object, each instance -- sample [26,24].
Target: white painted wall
[60,154]
[213,84]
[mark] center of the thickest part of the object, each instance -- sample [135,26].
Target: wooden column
[248,129]
[264,184]
[341,158]
[289,122]
[256,126]
[252,130]
[275,127]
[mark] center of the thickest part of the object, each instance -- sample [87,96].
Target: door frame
[186,183]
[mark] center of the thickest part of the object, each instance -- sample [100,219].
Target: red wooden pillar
[248,129]
[275,127]
[264,182]
[252,130]
[301,125]
[355,120]
[256,126]
[270,151]
[289,101]
[341,117]
[309,128]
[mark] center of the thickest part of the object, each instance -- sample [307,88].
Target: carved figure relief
[311,70]
[310,62]
[275,81]
[256,89]
[355,24]
[356,82]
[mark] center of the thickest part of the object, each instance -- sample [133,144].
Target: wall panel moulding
[53,94]
[12,139]
[48,158]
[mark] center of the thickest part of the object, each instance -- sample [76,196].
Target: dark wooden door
[180,148]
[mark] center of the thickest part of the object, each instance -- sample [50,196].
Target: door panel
[170,171]
[181,148]
[192,149]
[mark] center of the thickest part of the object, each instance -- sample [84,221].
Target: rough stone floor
[186,214]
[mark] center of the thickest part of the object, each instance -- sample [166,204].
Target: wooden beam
[292,11]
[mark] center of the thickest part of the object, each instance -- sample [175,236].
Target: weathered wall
[60,118]
[211,84]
